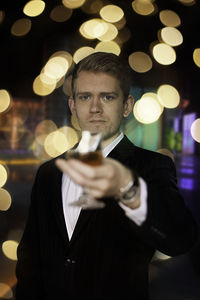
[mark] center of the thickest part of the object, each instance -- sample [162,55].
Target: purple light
[177,124]
[187,171]
[186,183]
[188,141]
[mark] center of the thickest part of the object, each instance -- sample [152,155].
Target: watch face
[129,194]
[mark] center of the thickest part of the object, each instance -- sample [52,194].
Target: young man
[101,254]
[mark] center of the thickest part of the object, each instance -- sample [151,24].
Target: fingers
[99,180]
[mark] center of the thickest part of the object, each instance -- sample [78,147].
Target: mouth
[97,121]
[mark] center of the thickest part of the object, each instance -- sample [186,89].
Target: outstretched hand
[101,181]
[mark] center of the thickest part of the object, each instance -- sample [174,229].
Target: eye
[83,97]
[108,97]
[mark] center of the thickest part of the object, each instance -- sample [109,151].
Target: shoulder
[143,154]
[153,155]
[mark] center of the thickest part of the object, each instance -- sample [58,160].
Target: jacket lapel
[56,202]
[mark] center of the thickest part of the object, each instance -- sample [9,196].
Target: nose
[96,105]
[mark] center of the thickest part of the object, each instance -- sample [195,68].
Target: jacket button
[69,261]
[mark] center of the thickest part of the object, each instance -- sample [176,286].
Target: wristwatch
[128,194]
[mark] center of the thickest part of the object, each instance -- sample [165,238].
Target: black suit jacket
[108,255]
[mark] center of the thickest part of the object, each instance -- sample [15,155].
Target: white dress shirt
[71,192]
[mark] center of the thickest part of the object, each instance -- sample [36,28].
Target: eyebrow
[101,93]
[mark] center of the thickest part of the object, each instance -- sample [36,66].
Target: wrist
[129,194]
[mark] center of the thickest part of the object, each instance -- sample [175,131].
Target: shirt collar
[112,145]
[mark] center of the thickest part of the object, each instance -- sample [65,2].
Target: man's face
[98,104]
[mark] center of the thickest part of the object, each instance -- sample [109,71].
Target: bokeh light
[52,74]
[73,3]
[93,28]
[82,53]
[3,175]
[5,100]
[164,54]
[92,6]
[195,130]
[147,109]
[143,7]
[169,18]
[64,54]
[42,89]
[43,129]
[9,249]
[5,200]
[140,62]
[34,8]
[168,96]
[187,2]
[56,67]
[110,47]
[171,36]
[110,33]
[60,13]
[111,13]
[196,57]
[59,141]
[21,27]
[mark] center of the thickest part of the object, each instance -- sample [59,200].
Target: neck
[109,140]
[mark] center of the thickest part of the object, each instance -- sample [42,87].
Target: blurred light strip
[20,161]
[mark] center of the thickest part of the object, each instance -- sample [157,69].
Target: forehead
[96,81]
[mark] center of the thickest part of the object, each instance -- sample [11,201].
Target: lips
[97,121]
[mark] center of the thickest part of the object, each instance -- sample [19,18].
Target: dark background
[21,58]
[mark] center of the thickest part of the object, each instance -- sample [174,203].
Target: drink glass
[89,152]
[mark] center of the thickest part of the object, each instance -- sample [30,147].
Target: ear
[72,106]
[128,106]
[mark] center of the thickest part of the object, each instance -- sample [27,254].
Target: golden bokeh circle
[73,3]
[140,62]
[34,8]
[164,54]
[195,130]
[143,7]
[21,27]
[171,36]
[82,53]
[9,249]
[169,18]
[5,100]
[168,96]
[196,57]
[111,13]
[3,175]
[60,13]
[5,200]
[110,47]
[147,110]
[42,89]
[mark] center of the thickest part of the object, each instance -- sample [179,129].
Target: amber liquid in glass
[93,158]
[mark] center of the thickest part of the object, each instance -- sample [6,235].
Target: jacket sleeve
[170,226]
[28,268]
